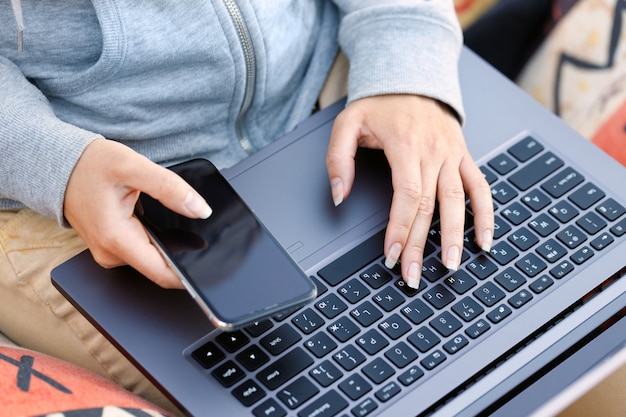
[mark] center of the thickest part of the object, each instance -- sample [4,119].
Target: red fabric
[35,384]
[612,135]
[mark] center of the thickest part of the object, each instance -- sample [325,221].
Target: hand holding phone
[230,263]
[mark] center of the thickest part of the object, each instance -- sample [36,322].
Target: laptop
[488,339]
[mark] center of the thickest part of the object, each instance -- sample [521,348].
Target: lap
[35,315]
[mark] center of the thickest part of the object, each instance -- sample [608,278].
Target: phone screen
[230,263]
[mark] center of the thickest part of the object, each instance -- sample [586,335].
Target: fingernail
[453,258]
[336,185]
[197,205]
[487,241]
[413,278]
[392,257]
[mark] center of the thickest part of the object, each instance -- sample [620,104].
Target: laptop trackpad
[298,208]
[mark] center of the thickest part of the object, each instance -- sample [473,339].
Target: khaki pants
[33,314]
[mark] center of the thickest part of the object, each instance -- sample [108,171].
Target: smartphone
[230,263]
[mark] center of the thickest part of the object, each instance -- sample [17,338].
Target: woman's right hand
[100,201]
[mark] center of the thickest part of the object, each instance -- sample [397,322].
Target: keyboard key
[591,223]
[467,309]
[460,282]
[349,357]
[502,192]
[387,392]
[586,196]
[563,182]
[551,250]
[320,344]
[581,256]
[521,298]
[365,408]
[481,267]
[308,321]
[469,242]
[208,355]
[543,225]
[561,269]
[259,327]
[489,175]
[455,344]
[417,311]
[401,355]
[269,408]
[620,228]
[232,341]
[353,260]
[372,342]
[353,291]
[297,393]
[439,296]
[343,329]
[252,358]
[433,269]
[330,306]
[228,373]
[388,298]
[477,329]
[611,209]
[408,291]
[531,265]
[526,149]
[410,375]
[536,200]
[285,368]
[445,324]
[502,164]
[535,171]
[489,294]
[325,373]
[571,236]
[433,360]
[541,284]
[366,314]
[424,339]
[375,276]
[503,253]
[523,239]
[500,227]
[498,314]
[563,211]
[328,405]
[378,371]
[510,279]
[602,241]
[394,326]
[248,393]
[515,213]
[355,386]
[280,339]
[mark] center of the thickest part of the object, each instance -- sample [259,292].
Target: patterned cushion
[579,73]
[33,384]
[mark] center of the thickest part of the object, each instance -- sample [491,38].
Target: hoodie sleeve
[43,149]
[402,47]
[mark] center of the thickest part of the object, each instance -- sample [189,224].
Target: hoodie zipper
[250,79]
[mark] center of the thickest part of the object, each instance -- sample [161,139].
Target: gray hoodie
[217,79]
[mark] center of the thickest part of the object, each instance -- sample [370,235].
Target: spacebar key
[285,368]
[328,405]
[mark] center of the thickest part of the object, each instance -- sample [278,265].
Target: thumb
[169,189]
[340,157]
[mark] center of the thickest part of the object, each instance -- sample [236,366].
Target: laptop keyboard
[368,337]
